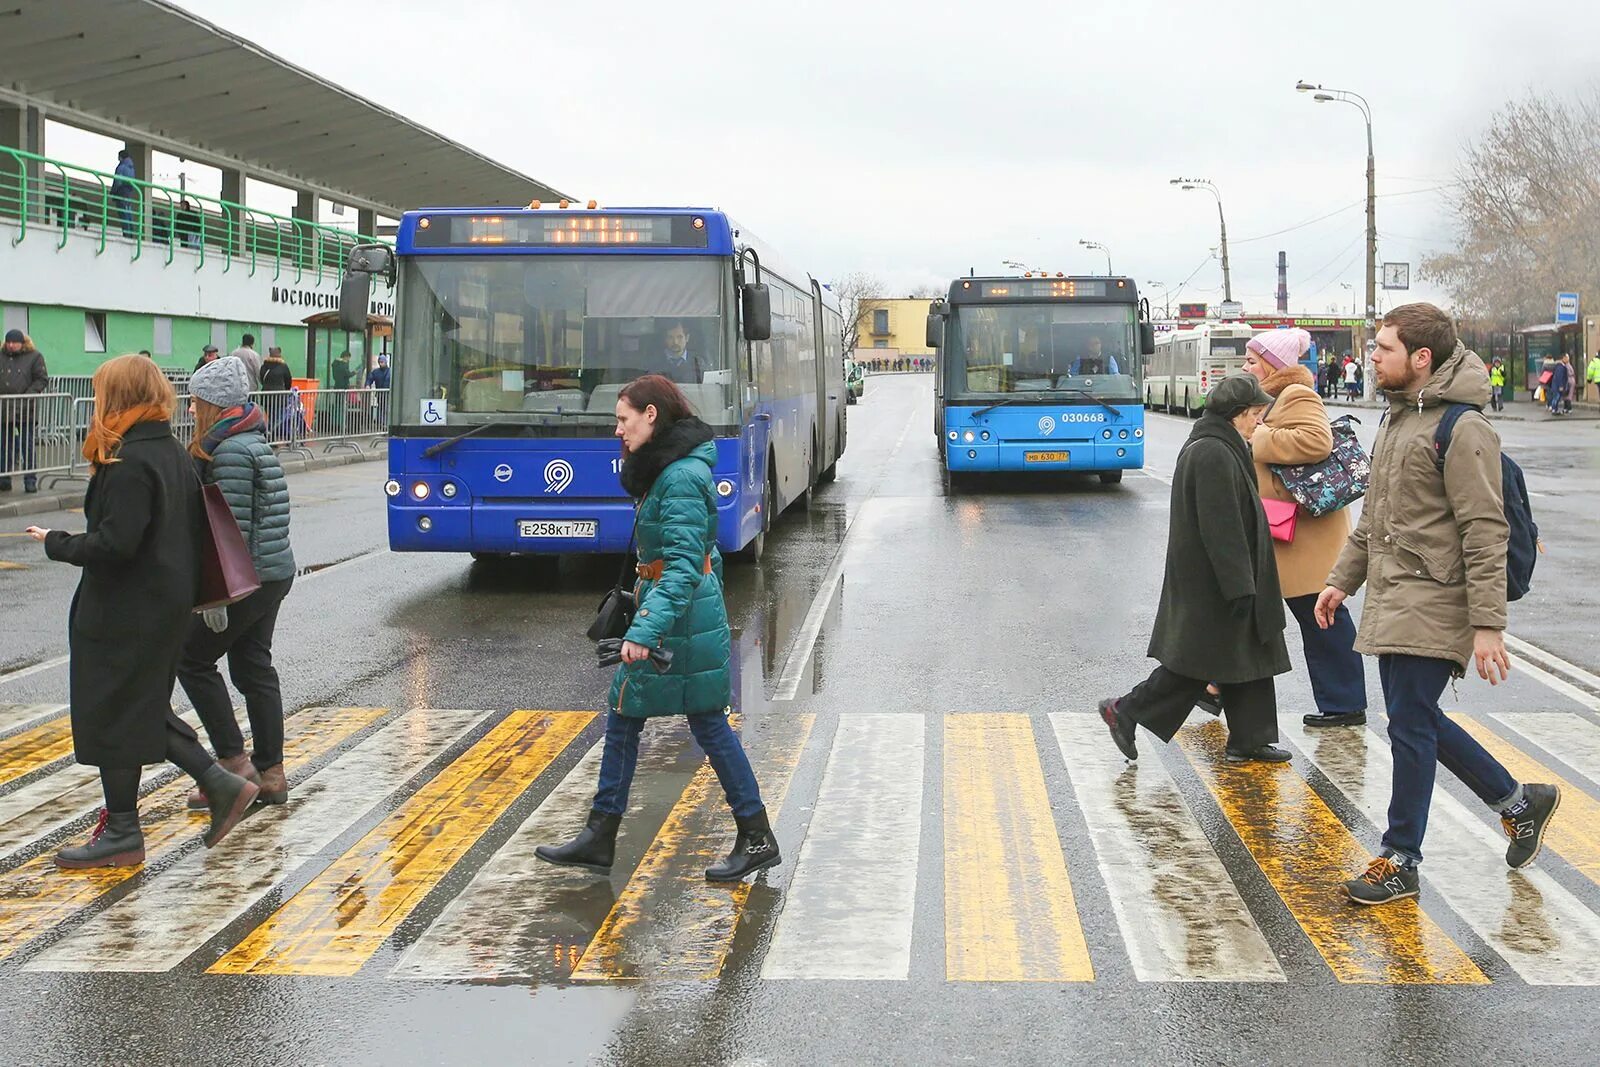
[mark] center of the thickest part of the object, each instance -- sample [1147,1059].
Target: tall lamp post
[1187,184]
[1344,96]
[1353,309]
[1102,248]
[1166,297]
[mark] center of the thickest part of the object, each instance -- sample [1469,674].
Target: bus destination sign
[1045,288]
[566,230]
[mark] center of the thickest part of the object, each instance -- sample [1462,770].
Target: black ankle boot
[229,797]
[755,849]
[115,842]
[593,849]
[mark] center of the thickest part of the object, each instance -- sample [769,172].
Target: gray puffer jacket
[251,479]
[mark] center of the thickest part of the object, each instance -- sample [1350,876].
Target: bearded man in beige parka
[1431,550]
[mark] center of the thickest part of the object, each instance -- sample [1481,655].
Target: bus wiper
[1091,396]
[997,404]
[434,450]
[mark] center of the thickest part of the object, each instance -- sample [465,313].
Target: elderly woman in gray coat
[1221,616]
[231,450]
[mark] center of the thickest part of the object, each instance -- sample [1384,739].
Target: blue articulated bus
[1040,374]
[516,329]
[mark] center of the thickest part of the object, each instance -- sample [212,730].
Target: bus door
[828,400]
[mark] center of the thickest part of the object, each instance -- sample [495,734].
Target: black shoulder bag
[615,614]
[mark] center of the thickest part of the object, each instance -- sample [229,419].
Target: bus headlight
[424,524]
[420,490]
[952,435]
[985,435]
[1138,433]
[448,489]
[969,437]
[1106,435]
[724,488]
[391,488]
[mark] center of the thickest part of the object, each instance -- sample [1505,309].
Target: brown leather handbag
[227,573]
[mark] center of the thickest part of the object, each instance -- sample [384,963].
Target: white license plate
[558,528]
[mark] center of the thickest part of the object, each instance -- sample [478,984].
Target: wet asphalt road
[968,875]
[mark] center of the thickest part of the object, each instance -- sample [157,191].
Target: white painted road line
[1572,739]
[38,668]
[26,716]
[1551,661]
[1533,922]
[1551,681]
[1180,914]
[847,913]
[167,918]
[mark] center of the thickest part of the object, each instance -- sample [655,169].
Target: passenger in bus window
[1094,359]
[676,362]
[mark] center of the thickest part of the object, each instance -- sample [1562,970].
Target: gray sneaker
[1526,831]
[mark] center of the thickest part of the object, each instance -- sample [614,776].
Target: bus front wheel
[757,547]
[1110,477]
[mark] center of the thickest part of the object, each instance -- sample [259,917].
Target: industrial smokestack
[1283,283]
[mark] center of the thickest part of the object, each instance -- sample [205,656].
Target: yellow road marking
[1009,913]
[37,896]
[1574,833]
[1306,852]
[670,920]
[8,565]
[337,922]
[39,747]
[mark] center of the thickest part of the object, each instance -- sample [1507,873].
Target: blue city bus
[1040,374]
[516,329]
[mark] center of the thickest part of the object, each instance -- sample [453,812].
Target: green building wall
[59,333]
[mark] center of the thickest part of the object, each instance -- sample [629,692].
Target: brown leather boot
[239,765]
[274,786]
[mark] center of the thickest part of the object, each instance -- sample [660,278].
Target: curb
[44,503]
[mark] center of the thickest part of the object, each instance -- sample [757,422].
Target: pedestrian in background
[207,355]
[1295,431]
[1221,614]
[378,377]
[1352,379]
[1431,550]
[1592,377]
[230,450]
[276,377]
[247,354]
[1570,393]
[124,193]
[1555,389]
[1497,384]
[141,577]
[668,457]
[22,373]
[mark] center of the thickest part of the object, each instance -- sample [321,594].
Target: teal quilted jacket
[247,471]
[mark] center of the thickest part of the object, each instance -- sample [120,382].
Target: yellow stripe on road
[1574,833]
[1009,913]
[336,923]
[32,749]
[670,921]
[36,897]
[1306,852]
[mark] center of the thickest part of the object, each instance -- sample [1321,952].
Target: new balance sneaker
[1384,881]
[1526,828]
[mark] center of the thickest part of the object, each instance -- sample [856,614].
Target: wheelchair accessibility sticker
[433,411]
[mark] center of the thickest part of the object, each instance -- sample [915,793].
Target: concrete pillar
[21,128]
[305,209]
[143,166]
[366,222]
[233,192]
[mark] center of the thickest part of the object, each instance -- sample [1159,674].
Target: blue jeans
[1338,676]
[16,450]
[1421,736]
[715,738]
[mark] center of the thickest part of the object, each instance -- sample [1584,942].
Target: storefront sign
[323,300]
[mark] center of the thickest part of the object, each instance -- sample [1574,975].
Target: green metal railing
[34,190]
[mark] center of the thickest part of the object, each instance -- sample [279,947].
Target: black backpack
[1522,547]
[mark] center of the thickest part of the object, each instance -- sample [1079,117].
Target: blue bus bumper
[1043,437]
[483,527]
[1014,456]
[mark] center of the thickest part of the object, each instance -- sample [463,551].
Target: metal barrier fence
[42,434]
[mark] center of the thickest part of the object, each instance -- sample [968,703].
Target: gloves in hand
[1242,607]
[216,619]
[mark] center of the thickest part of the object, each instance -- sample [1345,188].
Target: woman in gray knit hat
[230,448]
[1221,617]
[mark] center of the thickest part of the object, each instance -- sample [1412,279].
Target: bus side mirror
[935,331]
[354,294]
[1147,338]
[756,304]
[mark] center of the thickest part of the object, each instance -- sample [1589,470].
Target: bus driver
[1094,361]
[676,362]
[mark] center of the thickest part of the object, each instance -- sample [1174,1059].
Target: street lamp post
[1166,297]
[1353,309]
[1187,184]
[1356,100]
[1102,248]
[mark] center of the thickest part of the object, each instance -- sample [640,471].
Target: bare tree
[1527,206]
[927,292]
[856,292]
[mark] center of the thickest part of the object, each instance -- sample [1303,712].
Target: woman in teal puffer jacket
[231,450]
[668,457]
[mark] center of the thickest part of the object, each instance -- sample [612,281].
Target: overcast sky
[917,140]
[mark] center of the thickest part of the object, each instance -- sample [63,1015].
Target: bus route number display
[561,230]
[1045,288]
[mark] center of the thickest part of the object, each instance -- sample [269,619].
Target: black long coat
[134,604]
[1219,549]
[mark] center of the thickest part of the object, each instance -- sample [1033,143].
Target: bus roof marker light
[534,205]
[423,223]
[593,204]
[699,223]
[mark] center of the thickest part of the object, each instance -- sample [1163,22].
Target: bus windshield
[1043,348]
[1228,347]
[544,343]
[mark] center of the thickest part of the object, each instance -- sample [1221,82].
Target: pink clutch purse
[1281,516]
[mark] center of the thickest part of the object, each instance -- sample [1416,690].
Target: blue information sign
[1566,307]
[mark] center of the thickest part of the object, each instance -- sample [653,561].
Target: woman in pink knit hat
[1296,430]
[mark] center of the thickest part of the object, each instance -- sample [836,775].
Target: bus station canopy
[152,72]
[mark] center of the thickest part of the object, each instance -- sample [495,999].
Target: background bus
[1040,374]
[515,331]
[1189,361]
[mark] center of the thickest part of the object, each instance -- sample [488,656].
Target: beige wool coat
[1296,431]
